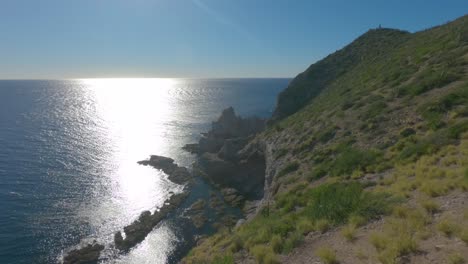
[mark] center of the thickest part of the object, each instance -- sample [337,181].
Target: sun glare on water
[132,114]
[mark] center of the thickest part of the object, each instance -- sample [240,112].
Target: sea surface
[68,153]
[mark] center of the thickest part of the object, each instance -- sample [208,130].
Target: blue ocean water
[68,153]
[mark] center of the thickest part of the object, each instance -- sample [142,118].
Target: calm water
[68,152]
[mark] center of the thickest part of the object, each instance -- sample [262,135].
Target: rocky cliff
[365,158]
[220,159]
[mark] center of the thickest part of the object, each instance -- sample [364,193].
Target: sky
[63,39]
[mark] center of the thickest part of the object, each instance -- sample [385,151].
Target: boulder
[159,162]
[198,205]
[232,197]
[198,220]
[176,174]
[88,254]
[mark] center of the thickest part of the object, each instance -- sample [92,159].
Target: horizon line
[129,78]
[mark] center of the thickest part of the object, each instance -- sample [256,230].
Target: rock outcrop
[222,161]
[88,254]
[230,132]
[140,228]
[176,174]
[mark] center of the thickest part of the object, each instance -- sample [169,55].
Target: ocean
[68,153]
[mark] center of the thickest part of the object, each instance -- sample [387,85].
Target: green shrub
[264,254]
[336,202]
[357,220]
[327,135]
[293,240]
[305,225]
[428,80]
[407,132]
[290,167]
[223,260]
[413,147]
[456,130]
[351,159]
[318,172]
[322,225]
[277,243]
[374,110]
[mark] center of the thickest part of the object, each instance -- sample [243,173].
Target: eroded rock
[176,174]
[88,254]
[139,229]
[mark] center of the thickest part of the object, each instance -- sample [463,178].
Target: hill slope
[367,158]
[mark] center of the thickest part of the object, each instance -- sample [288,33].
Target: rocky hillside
[366,158]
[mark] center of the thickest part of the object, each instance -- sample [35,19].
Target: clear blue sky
[193,38]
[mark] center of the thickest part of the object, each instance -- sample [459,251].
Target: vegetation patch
[336,202]
[327,255]
[351,159]
[290,167]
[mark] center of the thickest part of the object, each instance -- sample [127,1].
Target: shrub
[349,232]
[327,135]
[428,80]
[327,255]
[261,253]
[456,258]
[336,202]
[277,243]
[290,167]
[305,226]
[430,206]
[357,220]
[351,159]
[379,241]
[374,109]
[318,172]
[407,132]
[448,227]
[270,259]
[322,225]
[456,130]
[236,245]
[223,260]
[292,241]
[464,235]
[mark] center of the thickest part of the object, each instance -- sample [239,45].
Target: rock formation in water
[140,228]
[88,254]
[176,174]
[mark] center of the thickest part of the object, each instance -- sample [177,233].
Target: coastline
[222,164]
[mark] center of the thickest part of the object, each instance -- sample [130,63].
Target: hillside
[366,158]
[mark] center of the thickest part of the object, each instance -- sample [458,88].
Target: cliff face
[369,146]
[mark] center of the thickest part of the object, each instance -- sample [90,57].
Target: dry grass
[327,255]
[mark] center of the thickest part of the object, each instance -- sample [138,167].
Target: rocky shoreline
[137,231]
[225,159]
